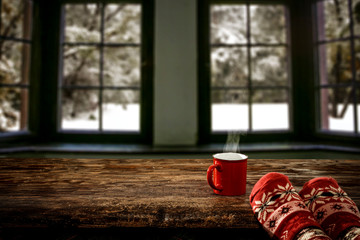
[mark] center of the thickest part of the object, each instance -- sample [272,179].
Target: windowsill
[148,149]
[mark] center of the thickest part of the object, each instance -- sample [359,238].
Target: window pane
[120,19]
[333,19]
[335,63]
[80,109]
[337,109]
[114,63]
[16,18]
[121,110]
[269,66]
[14,62]
[270,110]
[82,23]
[267,24]
[228,24]
[81,65]
[122,66]
[229,67]
[13,109]
[229,110]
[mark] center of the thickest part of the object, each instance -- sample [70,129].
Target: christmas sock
[280,209]
[331,206]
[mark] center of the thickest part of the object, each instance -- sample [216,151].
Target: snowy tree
[81,63]
[14,57]
[336,57]
[229,54]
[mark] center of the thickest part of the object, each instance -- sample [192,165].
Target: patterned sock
[280,209]
[330,205]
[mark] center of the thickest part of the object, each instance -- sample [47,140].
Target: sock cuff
[291,224]
[312,233]
[352,233]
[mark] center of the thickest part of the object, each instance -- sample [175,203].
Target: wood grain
[161,193]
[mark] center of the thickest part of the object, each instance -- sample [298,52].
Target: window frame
[327,134]
[304,76]
[100,47]
[204,83]
[45,60]
[48,52]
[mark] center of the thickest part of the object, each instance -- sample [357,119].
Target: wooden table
[142,193]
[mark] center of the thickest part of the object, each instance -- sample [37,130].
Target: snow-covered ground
[269,117]
[115,118]
[224,117]
[236,117]
[347,122]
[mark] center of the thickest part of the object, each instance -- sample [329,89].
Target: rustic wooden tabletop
[160,193]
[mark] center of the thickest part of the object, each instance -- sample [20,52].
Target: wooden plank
[161,193]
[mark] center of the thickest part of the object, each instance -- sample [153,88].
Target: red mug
[227,176]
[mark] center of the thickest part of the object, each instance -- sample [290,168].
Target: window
[249,79]
[338,45]
[15,45]
[100,87]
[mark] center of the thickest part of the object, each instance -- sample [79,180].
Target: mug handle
[210,172]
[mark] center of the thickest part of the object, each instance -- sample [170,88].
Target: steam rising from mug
[232,142]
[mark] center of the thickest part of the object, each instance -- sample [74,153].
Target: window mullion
[353,68]
[101,80]
[15,39]
[108,44]
[249,64]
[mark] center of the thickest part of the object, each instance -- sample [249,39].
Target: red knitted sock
[280,209]
[330,205]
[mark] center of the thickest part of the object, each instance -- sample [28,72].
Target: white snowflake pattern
[320,195]
[266,205]
[315,197]
[339,194]
[288,193]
